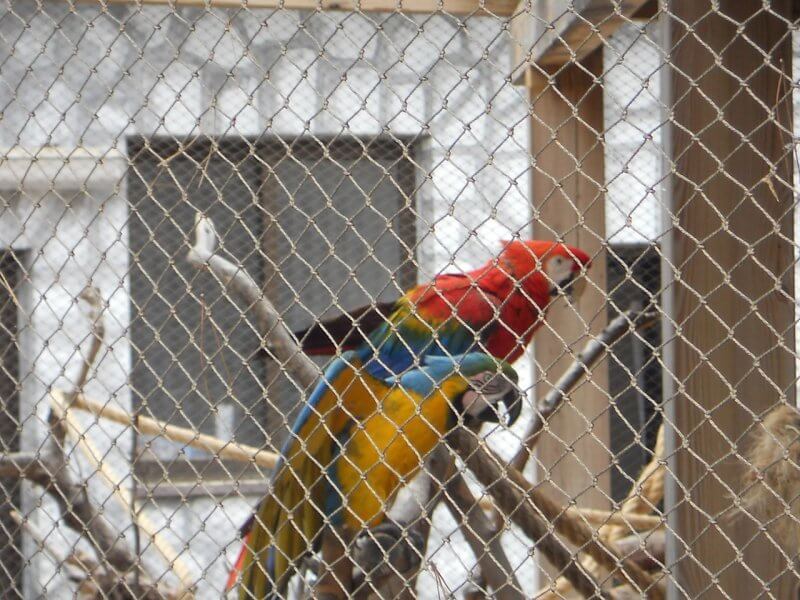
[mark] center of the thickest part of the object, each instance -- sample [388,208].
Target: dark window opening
[634,373]
[323,225]
[11,558]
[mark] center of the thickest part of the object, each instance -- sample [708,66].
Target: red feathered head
[543,265]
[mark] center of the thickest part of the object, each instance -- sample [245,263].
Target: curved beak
[513,402]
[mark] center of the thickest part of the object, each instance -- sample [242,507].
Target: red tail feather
[236,571]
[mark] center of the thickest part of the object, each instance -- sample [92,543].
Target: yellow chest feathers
[389,445]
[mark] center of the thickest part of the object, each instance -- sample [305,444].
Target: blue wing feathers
[398,349]
[336,368]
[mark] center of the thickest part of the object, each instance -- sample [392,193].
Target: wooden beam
[552,33]
[220,449]
[733,291]
[501,8]
[569,205]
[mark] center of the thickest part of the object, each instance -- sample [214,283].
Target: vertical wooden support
[568,205]
[732,254]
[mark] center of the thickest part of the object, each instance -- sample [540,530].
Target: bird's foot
[388,548]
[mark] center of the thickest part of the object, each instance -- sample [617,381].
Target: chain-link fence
[272,322]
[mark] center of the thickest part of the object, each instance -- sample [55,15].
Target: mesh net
[267,291]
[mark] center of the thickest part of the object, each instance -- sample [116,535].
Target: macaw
[495,309]
[354,442]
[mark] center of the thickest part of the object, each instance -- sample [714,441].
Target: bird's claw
[388,548]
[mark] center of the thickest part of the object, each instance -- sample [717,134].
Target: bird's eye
[492,384]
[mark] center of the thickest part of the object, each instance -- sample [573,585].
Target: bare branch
[181,435]
[446,483]
[648,552]
[630,320]
[625,521]
[91,295]
[120,491]
[277,337]
[23,465]
[79,566]
[50,469]
[643,497]
[50,472]
[628,521]
[482,537]
[646,492]
[513,502]
[524,504]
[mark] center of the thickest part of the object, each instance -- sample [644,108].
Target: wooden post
[568,204]
[732,297]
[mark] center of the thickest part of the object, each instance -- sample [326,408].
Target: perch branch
[477,528]
[120,567]
[513,502]
[458,500]
[22,465]
[180,435]
[647,491]
[276,336]
[80,566]
[58,430]
[516,496]
[91,295]
[414,504]
[627,522]
[598,517]
[49,471]
[120,492]
[644,495]
[54,475]
[482,537]
[649,553]
[446,484]
[61,405]
[632,319]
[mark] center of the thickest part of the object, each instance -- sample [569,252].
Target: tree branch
[277,337]
[23,465]
[512,500]
[446,483]
[632,319]
[181,435]
[50,469]
[482,536]
[119,491]
[79,565]
[643,497]
[524,504]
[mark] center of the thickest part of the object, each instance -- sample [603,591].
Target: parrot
[495,309]
[356,439]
